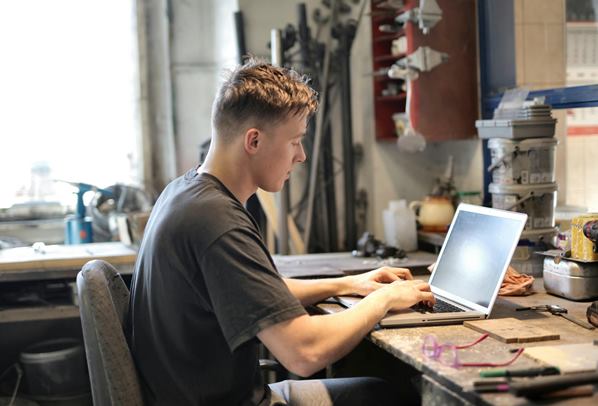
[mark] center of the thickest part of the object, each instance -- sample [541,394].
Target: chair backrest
[103,304]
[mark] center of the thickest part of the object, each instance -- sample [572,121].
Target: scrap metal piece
[397,72]
[426,15]
[424,59]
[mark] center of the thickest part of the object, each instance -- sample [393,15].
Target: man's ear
[252,140]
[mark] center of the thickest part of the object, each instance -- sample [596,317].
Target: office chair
[103,304]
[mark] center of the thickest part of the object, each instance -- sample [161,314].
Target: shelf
[387,138]
[389,37]
[382,17]
[9,315]
[388,57]
[385,106]
[385,78]
[397,97]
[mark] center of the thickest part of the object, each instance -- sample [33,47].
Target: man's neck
[232,173]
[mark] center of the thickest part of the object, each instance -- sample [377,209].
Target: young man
[205,289]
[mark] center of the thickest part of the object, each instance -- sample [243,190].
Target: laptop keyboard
[439,307]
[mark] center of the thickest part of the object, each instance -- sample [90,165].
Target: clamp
[424,59]
[426,15]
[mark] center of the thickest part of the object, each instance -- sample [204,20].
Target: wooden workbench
[343,263]
[61,261]
[444,385]
[56,262]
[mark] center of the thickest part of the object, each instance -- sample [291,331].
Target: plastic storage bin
[537,201]
[524,162]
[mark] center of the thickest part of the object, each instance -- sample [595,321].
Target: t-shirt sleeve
[246,292]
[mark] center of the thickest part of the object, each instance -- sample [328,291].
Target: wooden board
[569,358]
[510,330]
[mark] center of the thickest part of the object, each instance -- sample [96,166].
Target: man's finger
[424,286]
[427,297]
[387,276]
[416,282]
[402,272]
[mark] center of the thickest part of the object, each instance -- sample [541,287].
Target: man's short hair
[258,94]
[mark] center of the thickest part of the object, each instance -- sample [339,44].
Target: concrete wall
[385,173]
[203,42]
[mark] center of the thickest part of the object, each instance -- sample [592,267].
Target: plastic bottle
[400,229]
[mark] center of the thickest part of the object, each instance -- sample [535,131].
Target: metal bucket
[525,259]
[55,367]
[537,201]
[530,161]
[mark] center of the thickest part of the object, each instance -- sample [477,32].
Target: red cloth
[516,284]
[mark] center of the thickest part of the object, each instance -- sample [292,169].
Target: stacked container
[523,148]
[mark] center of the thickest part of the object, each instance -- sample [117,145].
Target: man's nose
[301,157]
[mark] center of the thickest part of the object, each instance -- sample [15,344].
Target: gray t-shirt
[204,286]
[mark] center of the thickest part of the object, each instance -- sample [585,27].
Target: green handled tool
[495,373]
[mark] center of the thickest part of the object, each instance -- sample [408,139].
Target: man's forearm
[310,291]
[307,344]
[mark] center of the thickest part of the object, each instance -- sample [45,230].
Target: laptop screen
[476,252]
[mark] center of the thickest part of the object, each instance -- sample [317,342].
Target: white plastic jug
[400,229]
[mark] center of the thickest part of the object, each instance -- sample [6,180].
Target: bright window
[69,97]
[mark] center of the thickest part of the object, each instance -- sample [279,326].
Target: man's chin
[272,188]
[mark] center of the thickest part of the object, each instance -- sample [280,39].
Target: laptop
[469,271]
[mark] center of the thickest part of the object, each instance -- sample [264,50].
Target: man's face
[280,149]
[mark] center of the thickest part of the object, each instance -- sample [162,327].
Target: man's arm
[315,290]
[306,344]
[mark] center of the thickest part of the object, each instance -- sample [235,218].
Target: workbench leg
[435,394]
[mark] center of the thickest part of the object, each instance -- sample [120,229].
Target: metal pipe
[240,31]
[284,195]
[303,35]
[346,34]
[329,184]
[313,175]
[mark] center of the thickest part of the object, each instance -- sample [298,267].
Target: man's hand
[366,283]
[403,294]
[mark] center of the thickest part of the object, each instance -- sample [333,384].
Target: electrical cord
[19,370]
